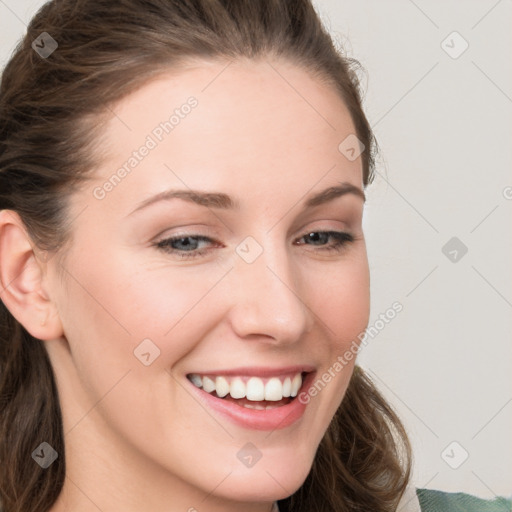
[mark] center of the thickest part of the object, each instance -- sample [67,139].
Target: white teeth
[255,389]
[259,407]
[296,384]
[221,386]
[197,381]
[273,390]
[237,388]
[208,384]
[287,387]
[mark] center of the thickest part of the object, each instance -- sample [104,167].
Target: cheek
[341,301]
[111,310]
[342,306]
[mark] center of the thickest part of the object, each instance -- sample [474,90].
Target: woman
[184,273]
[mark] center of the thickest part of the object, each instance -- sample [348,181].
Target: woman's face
[251,297]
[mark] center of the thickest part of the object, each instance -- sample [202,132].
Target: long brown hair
[50,108]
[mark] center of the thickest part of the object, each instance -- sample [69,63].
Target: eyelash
[341,238]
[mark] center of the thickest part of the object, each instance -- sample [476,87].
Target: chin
[275,480]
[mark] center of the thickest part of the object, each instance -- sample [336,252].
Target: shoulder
[439,501]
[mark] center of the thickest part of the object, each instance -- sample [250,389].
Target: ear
[22,280]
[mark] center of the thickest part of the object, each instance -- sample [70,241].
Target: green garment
[439,501]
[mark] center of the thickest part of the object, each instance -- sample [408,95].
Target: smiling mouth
[249,391]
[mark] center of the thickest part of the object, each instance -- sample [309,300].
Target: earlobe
[22,280]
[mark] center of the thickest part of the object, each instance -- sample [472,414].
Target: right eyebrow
[333,192]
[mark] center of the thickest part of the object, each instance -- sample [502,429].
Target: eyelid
[185,230]
[197,229]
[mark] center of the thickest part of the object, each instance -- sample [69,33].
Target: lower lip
[254,419]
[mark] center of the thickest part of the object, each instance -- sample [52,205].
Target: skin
[136,438]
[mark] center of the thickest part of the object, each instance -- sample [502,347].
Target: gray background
[443,122]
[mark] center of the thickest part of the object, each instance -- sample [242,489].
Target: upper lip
[258,371]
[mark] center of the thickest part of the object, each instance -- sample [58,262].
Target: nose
[268,302]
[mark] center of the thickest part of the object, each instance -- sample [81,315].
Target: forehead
[219,124]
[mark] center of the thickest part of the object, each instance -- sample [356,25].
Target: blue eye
[187,246]
[188,249]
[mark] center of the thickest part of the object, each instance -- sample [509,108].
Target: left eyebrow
[333,192]
[226,202]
